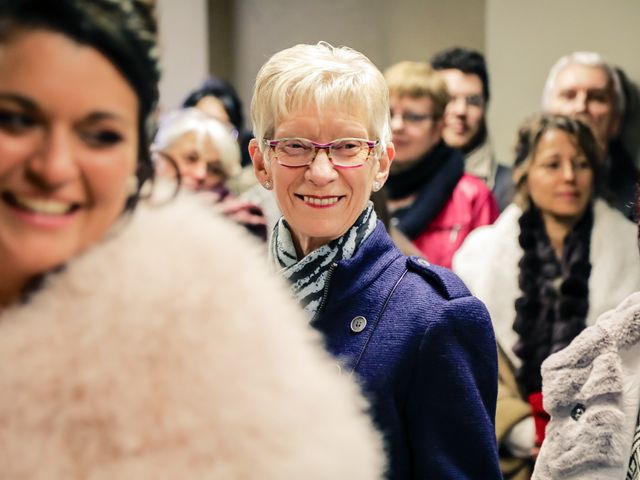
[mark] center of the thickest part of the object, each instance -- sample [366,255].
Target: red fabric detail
[471,205]
[540,417]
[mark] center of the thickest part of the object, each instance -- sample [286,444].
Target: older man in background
[585,86]
[467,79]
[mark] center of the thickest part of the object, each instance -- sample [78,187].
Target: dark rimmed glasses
[342,152]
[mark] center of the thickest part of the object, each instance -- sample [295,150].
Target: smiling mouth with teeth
[320,201]
[39,205]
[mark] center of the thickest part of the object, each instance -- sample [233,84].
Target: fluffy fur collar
[598,375]
[488,263]
[170,351]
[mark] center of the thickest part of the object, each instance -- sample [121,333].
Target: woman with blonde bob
[419,343]
[431,198]
[554,260]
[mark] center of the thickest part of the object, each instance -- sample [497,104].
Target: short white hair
[175,124]
[588,59]
[321,76]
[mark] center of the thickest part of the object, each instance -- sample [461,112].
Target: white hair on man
[588,59]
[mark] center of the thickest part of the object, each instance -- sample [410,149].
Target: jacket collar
[367,265]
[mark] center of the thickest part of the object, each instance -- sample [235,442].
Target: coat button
[577,411]
[358,324]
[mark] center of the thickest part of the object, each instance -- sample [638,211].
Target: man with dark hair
[465,73]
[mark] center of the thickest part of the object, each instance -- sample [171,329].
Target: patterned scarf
[308,276]
[633,473]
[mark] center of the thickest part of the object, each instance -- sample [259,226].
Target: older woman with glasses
[205,155]
[419,343]
[431,198]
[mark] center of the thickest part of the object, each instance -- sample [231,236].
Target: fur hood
[488,260]
[169,351]
[592,391]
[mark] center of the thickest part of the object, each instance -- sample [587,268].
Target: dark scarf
[433,178]
[555,294]
[309,275]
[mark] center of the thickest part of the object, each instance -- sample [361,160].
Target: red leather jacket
[471,205]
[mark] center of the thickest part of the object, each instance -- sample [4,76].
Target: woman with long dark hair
[554,260]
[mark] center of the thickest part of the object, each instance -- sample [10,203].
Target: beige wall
[523,40]
[385,31]
[184,48]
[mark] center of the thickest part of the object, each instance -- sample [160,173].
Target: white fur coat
[169,351]
[488,260]
[592,391]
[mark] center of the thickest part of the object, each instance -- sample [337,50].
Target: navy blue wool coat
[425,357]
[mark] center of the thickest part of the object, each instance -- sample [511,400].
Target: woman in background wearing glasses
[431,198]
[419,343]
[205,153]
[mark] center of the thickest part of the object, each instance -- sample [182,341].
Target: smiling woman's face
[560,179]
[68,146]
[320,201]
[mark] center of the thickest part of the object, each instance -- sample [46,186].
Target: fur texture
[599,370]
[488,263]
[170,352]
[549,317]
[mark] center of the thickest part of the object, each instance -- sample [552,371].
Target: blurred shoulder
[606,216]
[492,237]
[489,236]
[473,187]
[178,310]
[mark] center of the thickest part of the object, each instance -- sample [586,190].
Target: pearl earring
[267,184]
[376,186]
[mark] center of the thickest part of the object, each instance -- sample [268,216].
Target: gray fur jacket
[592,391]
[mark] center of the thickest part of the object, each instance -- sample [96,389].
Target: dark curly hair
[124,31]
[465,60]
[224,91]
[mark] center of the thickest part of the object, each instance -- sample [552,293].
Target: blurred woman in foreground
[138,344]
